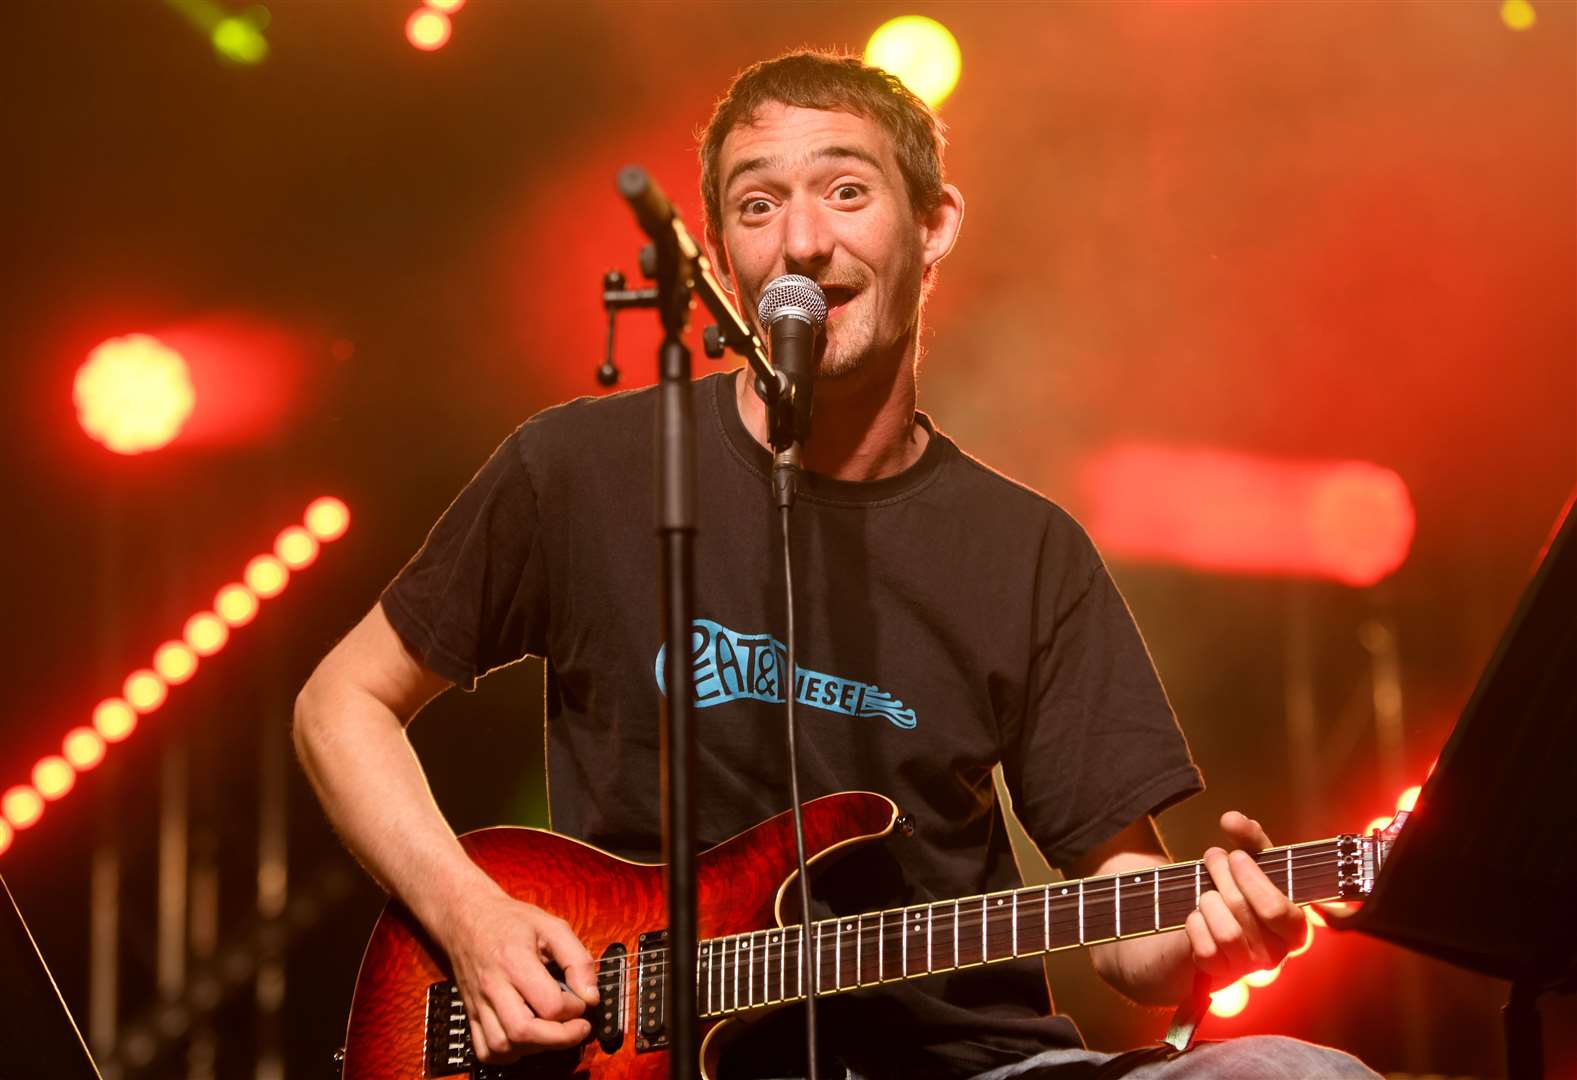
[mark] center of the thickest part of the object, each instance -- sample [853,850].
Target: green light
[239,41]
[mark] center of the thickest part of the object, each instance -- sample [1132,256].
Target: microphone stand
[681,269]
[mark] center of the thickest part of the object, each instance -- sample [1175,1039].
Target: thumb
[573,959]
[1244,831]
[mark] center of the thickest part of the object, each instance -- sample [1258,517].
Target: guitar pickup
[651,991]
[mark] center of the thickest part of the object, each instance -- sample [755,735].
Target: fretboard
[747,971]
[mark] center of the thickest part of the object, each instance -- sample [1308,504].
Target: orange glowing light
[1408,799]
[1315,919]
[175,662]
[144,690]
[1217,510]
[133,394]
[22,806]
[83,747]
[296,547]
[1229,1000]
[427,29]
[206,633]
[1263,977]
[53,776]
[266,576]
[1312,918]
[328,518]
[114,719]
[236,605]
[1380,823]
[6,835]
[448,7]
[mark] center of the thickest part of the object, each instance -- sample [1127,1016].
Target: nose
[807,239]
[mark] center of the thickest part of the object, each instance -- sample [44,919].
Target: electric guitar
[407,1020]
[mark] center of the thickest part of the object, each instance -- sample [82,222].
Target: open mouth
[837,296]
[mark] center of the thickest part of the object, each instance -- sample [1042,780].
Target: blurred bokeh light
[133,394]
[921,52]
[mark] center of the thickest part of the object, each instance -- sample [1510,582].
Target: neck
[864,423]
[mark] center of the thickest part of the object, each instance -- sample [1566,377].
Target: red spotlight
[114,719]
[296,548]
[266,576]
[1229,1000]
[427,29]
[206,633]
[83,747]
[1349,521]
[22,806]
[144,690]
[236,605]
[327,518]
[53,776]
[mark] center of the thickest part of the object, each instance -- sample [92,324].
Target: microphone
[793,309]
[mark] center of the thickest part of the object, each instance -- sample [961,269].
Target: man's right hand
[499,948]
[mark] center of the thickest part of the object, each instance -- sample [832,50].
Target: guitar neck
[768,967]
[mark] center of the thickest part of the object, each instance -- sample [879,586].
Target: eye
[847,192]
[755,207]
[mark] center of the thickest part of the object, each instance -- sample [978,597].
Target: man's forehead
[783,136]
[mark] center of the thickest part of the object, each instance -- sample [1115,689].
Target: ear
[714,255]
[939,228]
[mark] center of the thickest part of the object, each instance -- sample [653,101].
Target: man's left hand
[1245,923]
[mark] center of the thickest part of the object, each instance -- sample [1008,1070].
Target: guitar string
[969,918]
[1171,888]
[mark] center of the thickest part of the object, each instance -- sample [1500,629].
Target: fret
[1289,873]
[956,934]
[750,971]
[1117,902]
[837,956]
[783,965]
[1046,917]
[930,934]
[1156,878]
[1015,922]
[799,965]
[736,974]
[816,980]
[859,947]
[1197,872]
[1081,911]
[881,947]
[906,941]
[984,952]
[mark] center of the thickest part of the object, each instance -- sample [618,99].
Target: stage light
[448,7]
[1408,799]
[427,29]
[1262,978]
[144,690]
[296,548]
[5,835]
[133,394]
[22,806]
[1346,521]
[236,605]
[206,633]
[1310,917]
[1518,14]
[53,776]
[1381,823]
[1229,1000]
[175,662]
[327,518]
[266,576]
[83,747]
[239,40]
[114,719]
[921,52]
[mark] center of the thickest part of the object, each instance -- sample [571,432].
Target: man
[960,619]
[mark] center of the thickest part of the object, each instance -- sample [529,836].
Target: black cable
[799,821]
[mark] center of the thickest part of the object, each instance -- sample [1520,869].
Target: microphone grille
[793,296]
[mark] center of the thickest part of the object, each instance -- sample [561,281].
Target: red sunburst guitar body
[394,1033]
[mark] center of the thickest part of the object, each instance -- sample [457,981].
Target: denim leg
[1251,1057]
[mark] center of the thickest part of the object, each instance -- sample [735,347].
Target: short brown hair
[813,79]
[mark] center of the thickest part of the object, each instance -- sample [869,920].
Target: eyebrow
[825,153]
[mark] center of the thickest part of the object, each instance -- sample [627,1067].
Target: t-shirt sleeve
[475,596]
[1098,745]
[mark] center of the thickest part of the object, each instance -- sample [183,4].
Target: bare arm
[350,735]
[1243,924]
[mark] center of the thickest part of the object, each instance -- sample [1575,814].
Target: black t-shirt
[948,619]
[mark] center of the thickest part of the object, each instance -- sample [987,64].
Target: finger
[1228,935]
[540,1034]
[1251,934]
[487,1034]
[543,993]
[1244,831]
[1281,919]
[1207,954]
[565,949]
[514,1016]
